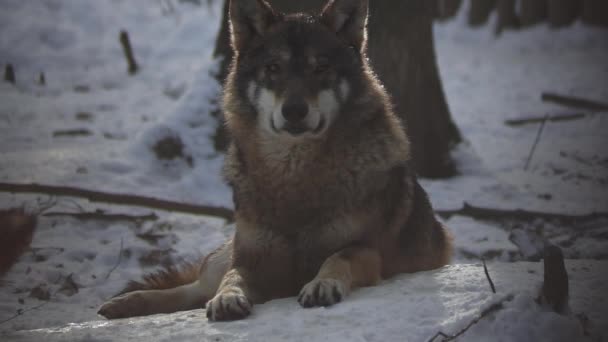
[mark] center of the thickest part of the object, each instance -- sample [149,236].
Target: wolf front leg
[232,300]
[347,269]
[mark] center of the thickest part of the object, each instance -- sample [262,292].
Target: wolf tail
[168,278]
[184,287]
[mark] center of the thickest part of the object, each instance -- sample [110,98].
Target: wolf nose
[294,111]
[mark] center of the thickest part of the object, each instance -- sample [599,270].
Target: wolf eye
[273,68]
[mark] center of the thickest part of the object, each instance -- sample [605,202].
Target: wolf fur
[325,197]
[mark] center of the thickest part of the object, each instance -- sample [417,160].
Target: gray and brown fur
[325,196]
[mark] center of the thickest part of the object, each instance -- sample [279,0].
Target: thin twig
[117,261]
[539,119]
[124,199]
[536,140]
[35,307]
[21,312]
[492,308]
[574,102]
[46,205]
[74,204]
[99,215]
[485,269]
[439,333]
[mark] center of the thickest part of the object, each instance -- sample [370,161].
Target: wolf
[325,197]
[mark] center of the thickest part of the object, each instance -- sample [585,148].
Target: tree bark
[562,12]
[401,51]
[446,9]
[507,18]
[532,12]
[479,12]
[595,12]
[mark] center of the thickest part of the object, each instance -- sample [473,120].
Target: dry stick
[97,215]
[490,213]
[492,308]
[439,333]
[122,199]
[575,102]
[536,140]
[19,313]
[128,51]
[9,74]
[485,269]
[539,119]
[117,261]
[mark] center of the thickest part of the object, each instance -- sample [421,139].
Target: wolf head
[293,76]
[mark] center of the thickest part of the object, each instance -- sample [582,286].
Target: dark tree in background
[557,13]
[401,51]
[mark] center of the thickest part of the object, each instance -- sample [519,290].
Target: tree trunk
[401,51]
[480,10]
[532,12]
[595,12]
[446,9]
[562,12]
[507,18]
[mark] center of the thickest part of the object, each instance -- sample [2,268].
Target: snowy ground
[94,126]
[407,308]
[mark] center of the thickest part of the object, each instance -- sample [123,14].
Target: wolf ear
[348,18]
[248,19]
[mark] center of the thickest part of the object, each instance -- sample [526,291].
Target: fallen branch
[492,308]
[575,102]
[490,213]
[536,140]
[121,199]
[540,119]
[485,270]
[101,216]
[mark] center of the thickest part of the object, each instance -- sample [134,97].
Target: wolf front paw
[322,292]
[228,305]
[127,305]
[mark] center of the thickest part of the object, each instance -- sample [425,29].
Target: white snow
[76,45]
[407,308]
[486,80]
[480,240]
